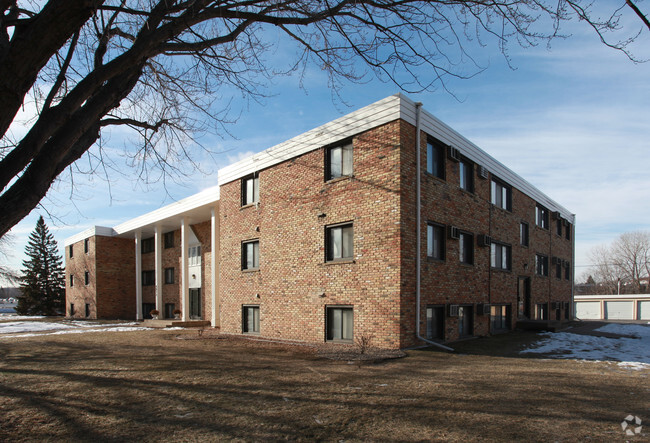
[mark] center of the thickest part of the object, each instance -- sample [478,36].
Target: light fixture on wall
[257,296]
[194,276]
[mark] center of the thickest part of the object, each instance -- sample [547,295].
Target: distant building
[316,239]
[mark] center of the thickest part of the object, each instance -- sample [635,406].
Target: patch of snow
[81,331]
[7,316]
[633,353]
[30,326]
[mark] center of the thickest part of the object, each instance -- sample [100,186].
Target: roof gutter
[418,229]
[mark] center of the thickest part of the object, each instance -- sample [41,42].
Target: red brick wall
[292,273]
[80,294]
[115,269]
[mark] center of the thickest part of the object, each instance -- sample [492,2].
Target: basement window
[251,319]
[339,323]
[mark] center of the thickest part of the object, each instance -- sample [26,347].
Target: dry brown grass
[152,386]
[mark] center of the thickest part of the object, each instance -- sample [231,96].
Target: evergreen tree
[43,281]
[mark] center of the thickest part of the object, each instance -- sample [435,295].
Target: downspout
[573,267]
[418,242]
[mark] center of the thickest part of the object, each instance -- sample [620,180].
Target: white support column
[159,272]
[213,266]
[138,275]
[185,288]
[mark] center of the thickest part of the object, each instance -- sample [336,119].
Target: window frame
[72,280]
[71,309]
[466,170]
[567,271]
[439,334]
[87,310]
[86,278]
[432,227]
[149,278]
[558,270]
[329,323]
[347,151]
[497,185]
[567,234]
[497,258]
[244,254]
[254,178]
[461,249]
[86,245]
[541,216]
[329,243]
[438,151]
[148,245]
[541,265]
[168,240]
[245,326]
[558,227]
[169,272]
[70,251]
[524,233]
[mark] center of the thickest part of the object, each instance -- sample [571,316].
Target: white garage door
[643,312]
[588,310]
[619,310]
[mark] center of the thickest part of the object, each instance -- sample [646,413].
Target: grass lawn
[155,386]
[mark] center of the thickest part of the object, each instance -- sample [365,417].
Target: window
[86,245]
[435,241]
[71,309]
[436,322]
[567,271]
[169,276]
[541,311]
[148,278]
[70,251]
[541,216]
[168,239]
[501,195]
[340,323]
[499,318]
[500,256]
[250,255]
[523,233]
[558,226]
[194,256]
[87,309]
[339,241]
[147,308]
[436,158]
[338,162]
[148,245]
[541,265]
[71,280]
[169,310]
[251,320]
[558,269]
[87,278]
[466,175]
[568,231]
[250,189]
[466,248]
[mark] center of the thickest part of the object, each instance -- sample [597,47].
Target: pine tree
[43,280]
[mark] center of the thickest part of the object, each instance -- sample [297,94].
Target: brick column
[138,275]
[159,272]
[185,288]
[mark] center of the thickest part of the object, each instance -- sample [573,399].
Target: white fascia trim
[379,113]
[366,118]
[206,197]
[436,128]
[90,232]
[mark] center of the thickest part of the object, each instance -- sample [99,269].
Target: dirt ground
[173,386]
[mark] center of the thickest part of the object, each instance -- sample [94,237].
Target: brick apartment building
[316,239]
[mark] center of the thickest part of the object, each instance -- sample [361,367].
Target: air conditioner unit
[453,310]
[453,153]
[453,232]
[482,172]
[557,215]
[484,240]
[556,261]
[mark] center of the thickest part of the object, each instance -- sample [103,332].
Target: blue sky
[572,119]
